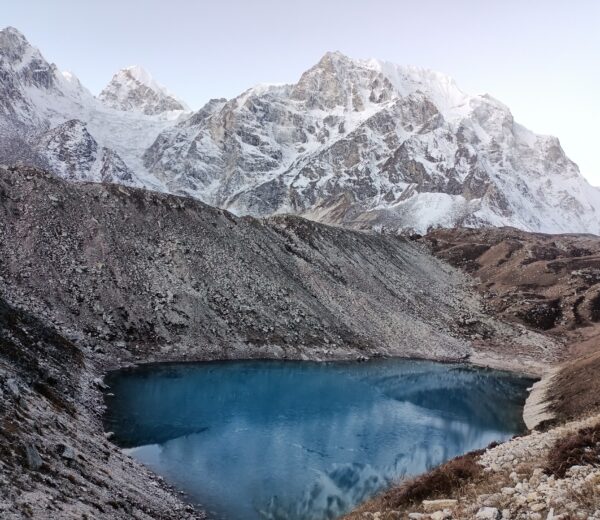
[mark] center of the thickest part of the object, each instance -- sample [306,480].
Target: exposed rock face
[71,152]
[363,144]
[367,144]
[133,89]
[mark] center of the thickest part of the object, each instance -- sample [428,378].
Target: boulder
[32,456]
[488,513]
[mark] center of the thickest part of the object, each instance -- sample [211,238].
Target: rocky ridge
[149,269]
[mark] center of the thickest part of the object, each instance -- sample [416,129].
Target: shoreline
[535,410]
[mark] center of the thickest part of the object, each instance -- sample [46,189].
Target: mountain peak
[9,30]
[335,62]
[19,59]
[334,56]
[14,46]
[139,73]
[339,81]
[134,89]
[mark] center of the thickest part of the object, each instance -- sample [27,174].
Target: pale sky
[539,57]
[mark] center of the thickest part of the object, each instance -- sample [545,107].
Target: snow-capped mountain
[372,144]
[358,143]
[133,89]
[48,119]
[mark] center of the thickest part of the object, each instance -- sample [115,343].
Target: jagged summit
[11,38]
[359,143]
[134,89]
[23,62]
[371,144]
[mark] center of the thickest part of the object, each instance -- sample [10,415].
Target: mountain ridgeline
[358,143]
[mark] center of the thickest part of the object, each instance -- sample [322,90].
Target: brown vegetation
[545,282]
[440,482]
[578,449]
[575,390]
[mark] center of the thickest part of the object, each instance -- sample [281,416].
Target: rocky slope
[362,144]
[55,461]
[144,269]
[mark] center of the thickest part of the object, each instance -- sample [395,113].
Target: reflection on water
[295,440]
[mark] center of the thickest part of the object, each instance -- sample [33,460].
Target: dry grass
[446,481]
[575,390]
[578,449]
[442,481]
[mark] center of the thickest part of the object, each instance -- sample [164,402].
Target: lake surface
[296,440]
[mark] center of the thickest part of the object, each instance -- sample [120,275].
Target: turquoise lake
[299,440]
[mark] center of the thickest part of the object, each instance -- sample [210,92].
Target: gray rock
[13,388]
[435,505]
[440,515]
[33,458]
[98,382]
[67,452]
[488,513]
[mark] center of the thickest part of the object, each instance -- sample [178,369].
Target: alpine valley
[286,244]
[363,144]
